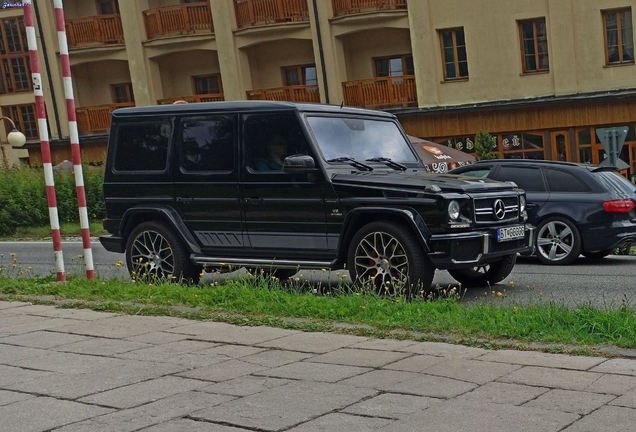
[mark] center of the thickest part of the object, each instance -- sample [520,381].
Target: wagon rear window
[142,146]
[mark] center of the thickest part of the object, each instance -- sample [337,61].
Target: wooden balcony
[94,30]
[299,93]
[381,93]
[179,19]
[347,7]
[96,119]
[263,12]
[217,97]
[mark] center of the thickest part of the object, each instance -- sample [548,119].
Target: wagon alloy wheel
[558,241]
[154,251]
[386,256]
[488,274]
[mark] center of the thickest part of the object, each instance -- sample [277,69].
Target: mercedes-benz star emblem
[499,209]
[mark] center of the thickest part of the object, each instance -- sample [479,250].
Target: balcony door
[107,7]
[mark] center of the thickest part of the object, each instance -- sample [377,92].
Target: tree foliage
[485,144]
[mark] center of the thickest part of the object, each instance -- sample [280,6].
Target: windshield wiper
[352,162]
[389,162]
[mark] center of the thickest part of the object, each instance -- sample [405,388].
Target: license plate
[510,233]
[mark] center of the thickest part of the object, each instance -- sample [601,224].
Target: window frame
[7,111]
[114,4]
[196,77]
[456,62]
[402,57]
[299,70]
[619,35]
[8,80]
[129,92]
[535,40]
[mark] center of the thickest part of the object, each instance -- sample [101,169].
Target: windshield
[360,139]
[616,182]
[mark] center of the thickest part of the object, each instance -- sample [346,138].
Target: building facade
[540,75]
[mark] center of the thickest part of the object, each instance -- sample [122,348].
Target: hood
[419,180]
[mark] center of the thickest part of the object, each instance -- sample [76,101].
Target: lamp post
[15,138]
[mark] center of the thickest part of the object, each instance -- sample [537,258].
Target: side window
[142,146]
[528,179]
[207,144]
[269,139]
[481,173]
[561,181]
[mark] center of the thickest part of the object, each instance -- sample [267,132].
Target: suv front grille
[496,209]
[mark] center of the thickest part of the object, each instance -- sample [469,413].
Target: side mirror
[299,163]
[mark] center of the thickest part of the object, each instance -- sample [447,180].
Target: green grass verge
[257,301]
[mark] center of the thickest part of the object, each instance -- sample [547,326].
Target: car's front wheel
[154,251]
[488,274]
[386,256]
[558,241]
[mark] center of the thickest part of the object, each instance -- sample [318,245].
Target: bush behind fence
[23,197]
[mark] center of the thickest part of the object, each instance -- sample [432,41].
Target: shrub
[484,145]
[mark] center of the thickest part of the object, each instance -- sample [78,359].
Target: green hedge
[23,197]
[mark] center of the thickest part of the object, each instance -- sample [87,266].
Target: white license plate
[510,233]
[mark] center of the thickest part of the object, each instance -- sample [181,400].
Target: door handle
[253,200]
[184,200]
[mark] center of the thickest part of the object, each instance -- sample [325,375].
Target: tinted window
[561,181]
[528,179]
[482,173]
[207,144]
[615,182]
[147,142]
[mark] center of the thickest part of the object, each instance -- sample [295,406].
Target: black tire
[597,255]
[488,274]
[558,241]
[387,256]
[153,250]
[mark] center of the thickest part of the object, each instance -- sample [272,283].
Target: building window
[107,7]
[300,75]
[619,37]
[454,54]
[534,46]
[122,93]
[207,84]
[14,57]
[523,146]
[24,118]
[394,66]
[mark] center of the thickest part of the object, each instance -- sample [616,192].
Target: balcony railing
[380,93]
[346,7]
[299,93]
[94,119]
[94,30]
[216,97]
[178,19]
[261,12]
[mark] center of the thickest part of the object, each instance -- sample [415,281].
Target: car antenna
[341,104]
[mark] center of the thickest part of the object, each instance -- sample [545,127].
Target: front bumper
[465,250]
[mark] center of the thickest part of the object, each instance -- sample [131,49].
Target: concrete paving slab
[342,422]
[12,305]
[234,351]
[576,402]
[552,378]
[391,405]
[244,386]
[627,400]
[157,338]
[56,312]
[285,406]
[182,425]
[9,397]
[504,393]
[67,363]
[99,346]
[123,326]
[12,353]
[226,333]
[42,324]
[154,413]
[416,363]
[445,350]
[359,357]
[44,413]
[476,371]
[531,358]
[380,379]
[384,344]
[606,419]
[12,375]
[318,343]
[432,386]
[187,352]
[274,357]
[42,339]
[617,366]
[313,372]
[222,371]
[612,384]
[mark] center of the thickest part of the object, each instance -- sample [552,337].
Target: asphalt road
[604,283]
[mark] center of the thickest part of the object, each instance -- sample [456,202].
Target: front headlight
[453,210]
[522,203]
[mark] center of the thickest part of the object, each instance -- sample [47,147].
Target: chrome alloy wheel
[152,255]
[381,258]
[555,240]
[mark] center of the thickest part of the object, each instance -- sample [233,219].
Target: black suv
[577,208]
[283,186]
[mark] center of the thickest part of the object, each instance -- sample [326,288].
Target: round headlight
[453,210]
[522,203]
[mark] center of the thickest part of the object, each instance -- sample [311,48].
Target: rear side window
[207,144]
[561,181]
[615,182]
[142,146]
[528,179]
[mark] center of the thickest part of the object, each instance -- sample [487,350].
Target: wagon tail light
[619,206]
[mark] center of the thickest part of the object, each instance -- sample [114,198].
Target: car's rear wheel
[386,257]
[558,241]
[154,251]
[597,255]
[488,274]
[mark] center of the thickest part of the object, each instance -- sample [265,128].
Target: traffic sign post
[613,140]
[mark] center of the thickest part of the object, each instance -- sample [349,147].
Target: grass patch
[263,301]
[67,229]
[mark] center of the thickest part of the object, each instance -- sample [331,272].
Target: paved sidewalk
[79,370]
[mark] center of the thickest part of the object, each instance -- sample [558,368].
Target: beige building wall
[177,80]
[266,60]
[93,81]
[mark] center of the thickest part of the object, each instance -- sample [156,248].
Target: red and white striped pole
[75,147]
[44,142]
